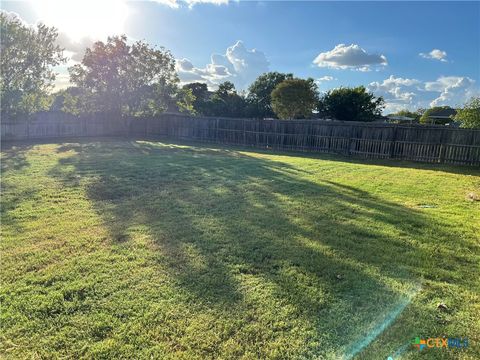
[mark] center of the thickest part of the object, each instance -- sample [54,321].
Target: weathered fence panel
[58,124]
[435,144]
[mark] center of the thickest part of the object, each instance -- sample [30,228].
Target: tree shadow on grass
[353,159]
[240,233]
[14,157]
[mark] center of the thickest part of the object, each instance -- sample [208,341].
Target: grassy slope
[144,249]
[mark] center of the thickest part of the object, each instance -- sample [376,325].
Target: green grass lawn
[132,249]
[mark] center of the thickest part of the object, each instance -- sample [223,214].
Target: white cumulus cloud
[435,54]
[454,90]
[393,107]
[190,3]
[215,2]
[396,91]
[403,93]
[349,57]
[326,78]
[238,65]
[74,49]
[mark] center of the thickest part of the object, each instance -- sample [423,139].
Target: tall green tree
[201,94]
[295,99]
[27,55]
[129,79]
[469,115]
[70,100]
[351,104]
[259,97]
[225,101]
[184,100]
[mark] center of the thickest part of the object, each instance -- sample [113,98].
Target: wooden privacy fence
[58,124]
[436,144]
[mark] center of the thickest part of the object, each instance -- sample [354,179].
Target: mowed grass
[135,249]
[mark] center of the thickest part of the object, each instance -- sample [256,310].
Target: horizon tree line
[136,79]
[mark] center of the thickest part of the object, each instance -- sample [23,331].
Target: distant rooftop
[443,113]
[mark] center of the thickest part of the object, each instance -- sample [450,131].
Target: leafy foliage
[201,96]
[184,100]
[128,79]
[226,102]
[351,104]
[70,100]
[27,57]
[259,94]
[295,98]
[469,115]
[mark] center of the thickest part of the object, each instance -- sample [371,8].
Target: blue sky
[415,54]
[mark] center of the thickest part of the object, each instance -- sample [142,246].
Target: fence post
[392,145]
[84,125]
[441,155]
[145,127]
[244,134]
[350,141]
[441,158]
[28,127]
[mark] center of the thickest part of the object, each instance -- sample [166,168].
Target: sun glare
[87,18]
